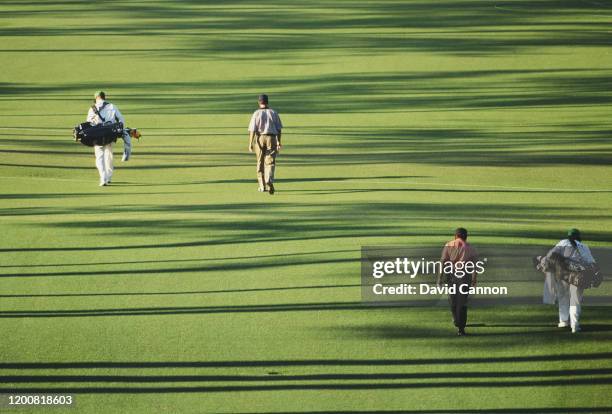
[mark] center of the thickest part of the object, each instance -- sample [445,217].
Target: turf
[180,288]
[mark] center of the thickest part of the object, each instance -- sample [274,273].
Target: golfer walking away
[265,138]
[100,112]
[458,251]
[570,296]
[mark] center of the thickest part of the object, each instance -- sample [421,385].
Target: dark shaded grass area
[347,92]
[289,387]
[470,27]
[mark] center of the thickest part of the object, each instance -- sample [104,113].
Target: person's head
[461,233]
[262,100]
[99,96]
[574,234]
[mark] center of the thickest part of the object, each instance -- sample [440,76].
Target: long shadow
[194,292]
[221,266]
[301,233]
[309,362]
[201,259]
[320,179]
[303,387]
[425,189]
[521,410]
[295,307]
[20,379]
[178,166]
[60,167]
[27,196]
[306,377]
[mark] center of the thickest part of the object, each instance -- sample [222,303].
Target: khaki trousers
[266,151]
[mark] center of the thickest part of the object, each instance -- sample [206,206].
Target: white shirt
[265,121]
[581,253]
[109,113]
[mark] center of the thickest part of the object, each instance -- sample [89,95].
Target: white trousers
[104,161]
[570,300]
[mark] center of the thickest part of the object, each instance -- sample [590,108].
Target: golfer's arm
[251,138]
[279,137]
[119,116]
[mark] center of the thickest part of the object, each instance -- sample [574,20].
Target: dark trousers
[458,305]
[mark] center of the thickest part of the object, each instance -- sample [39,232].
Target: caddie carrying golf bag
[100,134]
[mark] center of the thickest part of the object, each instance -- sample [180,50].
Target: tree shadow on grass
[192,292]
[346,362]
[522,410]
[290,307]
[304,221]
[244,30]
[343,92]
[317,386]
[465,375]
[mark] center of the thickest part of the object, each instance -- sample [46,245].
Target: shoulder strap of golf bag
[97,112]
[580,258]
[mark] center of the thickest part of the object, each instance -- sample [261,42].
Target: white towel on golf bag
[549,296]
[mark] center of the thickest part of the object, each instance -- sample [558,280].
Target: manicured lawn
[180,288]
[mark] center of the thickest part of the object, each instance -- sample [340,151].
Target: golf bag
[570,271]
[101,134]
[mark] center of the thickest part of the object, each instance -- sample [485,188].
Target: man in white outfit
[570,296]
[107,112]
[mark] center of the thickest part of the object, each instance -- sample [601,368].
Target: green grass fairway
[181,289]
